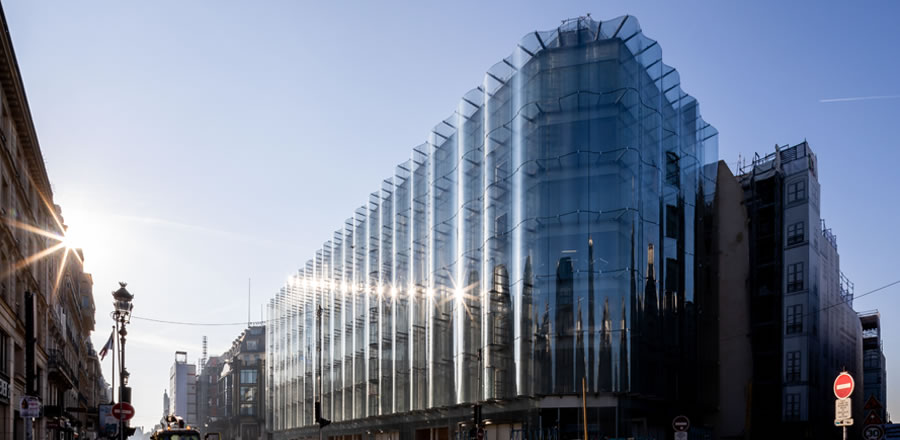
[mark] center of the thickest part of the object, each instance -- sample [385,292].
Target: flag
[107,346]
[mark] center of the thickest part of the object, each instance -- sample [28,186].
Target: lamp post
[122,315]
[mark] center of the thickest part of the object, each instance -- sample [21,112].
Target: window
[796,191]
[871,359]
[673,171]
[792,367]
[672,275]
[248,394]
[248,409]
[252,344]
[794,319]
[673,223]
[795,233]
[795,277]
[4,354]
[248,376]
[792,406]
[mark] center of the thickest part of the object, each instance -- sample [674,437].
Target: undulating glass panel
[545,235]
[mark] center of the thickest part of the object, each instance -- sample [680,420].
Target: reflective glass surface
[547,232]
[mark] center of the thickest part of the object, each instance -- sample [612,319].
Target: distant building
[183,389]
[208,410]
[874,366]
[241,387]
[803,330]
[165,405]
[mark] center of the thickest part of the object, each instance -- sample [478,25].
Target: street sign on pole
[842,409]
[843,385]
[873,432]
[873,419]
[681,424]
[872,403]
[123,411]
[29,407]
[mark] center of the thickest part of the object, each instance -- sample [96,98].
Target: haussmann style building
[551,237]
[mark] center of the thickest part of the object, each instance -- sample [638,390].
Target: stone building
[46,303]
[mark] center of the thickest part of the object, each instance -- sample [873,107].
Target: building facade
[803,329]
[874,367]
[241,387]
[183,389]
[207,395]
[166,405]
[46,301]
[548,238]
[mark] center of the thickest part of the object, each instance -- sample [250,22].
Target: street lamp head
[122,301]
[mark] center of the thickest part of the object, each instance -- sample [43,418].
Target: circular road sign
[123,411]
[873,432]
[681,424]
[843,385]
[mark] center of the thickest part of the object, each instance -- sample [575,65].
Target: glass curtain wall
[544,234]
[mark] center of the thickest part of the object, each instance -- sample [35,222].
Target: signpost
[873,419]
[29,408]
[842,409]
[843,388]
[873,432]
[681,424]
[843,385]
[123,411]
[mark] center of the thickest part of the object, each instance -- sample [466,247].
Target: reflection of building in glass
[565,285]
[505,261]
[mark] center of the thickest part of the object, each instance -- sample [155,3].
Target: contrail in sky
[860,98]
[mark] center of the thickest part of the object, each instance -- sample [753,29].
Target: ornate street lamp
[122,315]
[122,304]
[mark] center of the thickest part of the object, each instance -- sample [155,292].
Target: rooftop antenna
[248,302]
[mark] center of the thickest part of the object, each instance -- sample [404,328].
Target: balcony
[60,370]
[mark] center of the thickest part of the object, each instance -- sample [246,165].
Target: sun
[86,232]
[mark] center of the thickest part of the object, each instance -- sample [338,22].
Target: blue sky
[194,145]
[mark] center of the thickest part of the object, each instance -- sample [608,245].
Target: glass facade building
[549,235]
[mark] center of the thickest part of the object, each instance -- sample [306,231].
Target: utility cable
[163,321]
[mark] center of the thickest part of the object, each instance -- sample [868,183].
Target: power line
[812,312]
[163,321]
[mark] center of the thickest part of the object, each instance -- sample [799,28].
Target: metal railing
[58,361]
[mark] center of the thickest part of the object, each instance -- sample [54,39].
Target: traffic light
[476,416]
[321,421]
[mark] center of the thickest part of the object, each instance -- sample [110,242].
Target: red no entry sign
[681,424]
[843,386]
[123,411]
